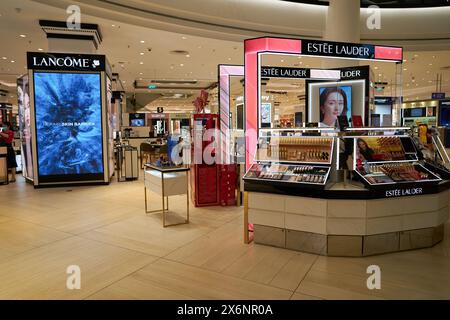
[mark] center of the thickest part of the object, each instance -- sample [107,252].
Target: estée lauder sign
[338,49]
[65,62]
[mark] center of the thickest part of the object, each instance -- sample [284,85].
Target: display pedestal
[166,182]
[348,227]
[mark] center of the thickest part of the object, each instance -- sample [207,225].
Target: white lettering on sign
[338,49]
[61,62]
[403,192]
[351,74]
[283,72]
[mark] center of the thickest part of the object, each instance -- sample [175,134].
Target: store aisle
[124,254]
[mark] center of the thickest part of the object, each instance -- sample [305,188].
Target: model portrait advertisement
[335,102]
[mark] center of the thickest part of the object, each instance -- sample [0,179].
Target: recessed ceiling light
[184,38]
[141,53]
[376,68]
[181,64]
[140,73]
[404,60]
[416,55]
[188,56]
[141,62]
[40,49]
[113,25]
[12,61]
[142,41]
[430,64]
[282,60]
[23,36]
[405,69]
[4,58]
[229,59]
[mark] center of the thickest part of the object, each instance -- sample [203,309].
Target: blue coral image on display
[68,123]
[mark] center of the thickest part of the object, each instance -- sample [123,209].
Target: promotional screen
[266,114]
[137,119]
[444,114]
[23,98]
[379,149]
[335,102]
[68,125]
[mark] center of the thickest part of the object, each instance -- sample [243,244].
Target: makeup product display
[392,173]
[289,173]
[294,160]
[298,149]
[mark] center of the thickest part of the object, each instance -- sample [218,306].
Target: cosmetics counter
[356,192]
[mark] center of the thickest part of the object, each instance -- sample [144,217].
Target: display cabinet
[389,160]
[293,160]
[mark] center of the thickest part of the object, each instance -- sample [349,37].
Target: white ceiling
[123,47]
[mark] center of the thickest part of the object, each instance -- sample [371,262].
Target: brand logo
[403,192]
[69,62]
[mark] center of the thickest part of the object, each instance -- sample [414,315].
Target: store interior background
[178,58]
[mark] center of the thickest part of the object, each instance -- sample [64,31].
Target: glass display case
[293,160]
[389,160]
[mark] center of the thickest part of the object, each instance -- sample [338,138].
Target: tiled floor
[124,254]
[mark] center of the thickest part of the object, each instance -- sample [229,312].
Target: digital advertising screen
[23,99]
[335,102]
[137,119]
[444,113]
[266,114]
[68,108]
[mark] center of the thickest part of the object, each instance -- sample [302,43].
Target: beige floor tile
[18,236]
[146,234]
[300,296]
[294,271]
[136,287]
[215,250]
[4,219]
[41,273]
[202,284]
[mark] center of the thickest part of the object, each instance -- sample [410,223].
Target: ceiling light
[40,49]
[405,69]
[12,61]
[4,58]
[416,55]
[282,60]
[229,59]
[141,62]
[140,73]
[113,25]
[142,41]
[171,67]
[430,64]
[404,60]
[23,36]
[376,68]
[181,65]
[141,53]
[184,38]
[188,56]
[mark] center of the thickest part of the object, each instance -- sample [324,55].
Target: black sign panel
[338,49]
[65,61]
[281,72]
[354,73]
